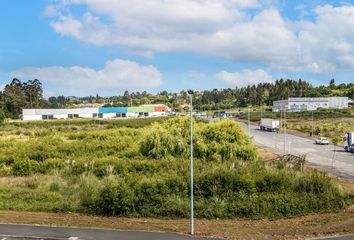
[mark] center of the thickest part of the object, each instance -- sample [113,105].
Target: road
[317,155]
[24,232]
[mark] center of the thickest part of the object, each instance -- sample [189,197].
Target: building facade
[310,104]
[158,110]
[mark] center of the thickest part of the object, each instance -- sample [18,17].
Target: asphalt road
[24,232]
[317,155]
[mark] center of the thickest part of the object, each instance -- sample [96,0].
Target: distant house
[310,104]
[158,110]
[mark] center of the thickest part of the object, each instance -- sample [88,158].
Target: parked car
[322,141]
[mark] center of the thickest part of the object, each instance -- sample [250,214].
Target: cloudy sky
[83,47]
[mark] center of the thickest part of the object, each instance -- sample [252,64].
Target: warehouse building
[158,110]
[310,104]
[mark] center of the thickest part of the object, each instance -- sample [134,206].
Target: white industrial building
[310,104]
[158,110]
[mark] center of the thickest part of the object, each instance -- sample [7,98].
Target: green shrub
[24,167]
[116,198]
[141,168]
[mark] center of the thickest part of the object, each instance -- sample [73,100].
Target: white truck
[349,142]
[268,124]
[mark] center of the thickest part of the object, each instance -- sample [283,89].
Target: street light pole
[248,121]
[285,143]
[312,126]
[190,92]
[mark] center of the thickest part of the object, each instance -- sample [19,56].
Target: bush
[220,141]
[128,168]
[116,198]
[24,167]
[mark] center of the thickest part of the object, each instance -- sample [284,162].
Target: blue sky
[85,47]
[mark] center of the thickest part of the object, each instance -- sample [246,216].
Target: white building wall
[37,114]
[338,102]
[61,116]
[109,115]
[280,105]
[31,117]
[157,114]
[310,104]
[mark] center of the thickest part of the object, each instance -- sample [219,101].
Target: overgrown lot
[141,168]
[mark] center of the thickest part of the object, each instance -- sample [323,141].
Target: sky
[89,47]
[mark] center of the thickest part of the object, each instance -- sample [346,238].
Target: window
[50,116]
[76,115]
[70,116]
[118,115]
[44,117]
[146,114]
[100,115]
[94,115]
[124,115]
[141,114]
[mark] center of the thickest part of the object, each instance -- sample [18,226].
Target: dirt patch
[295,228]
[266,155]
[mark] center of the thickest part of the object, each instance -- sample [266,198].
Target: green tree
[2,116]
[14,98]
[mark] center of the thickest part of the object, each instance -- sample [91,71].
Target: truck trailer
[268,124]
[349,142]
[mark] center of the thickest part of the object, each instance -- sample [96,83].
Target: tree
[350,93]
[14,98]
[2,116]
[18,95]
[34,93]
[62,101]
[332,84]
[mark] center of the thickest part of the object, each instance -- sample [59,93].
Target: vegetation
[141,168]
[18,95]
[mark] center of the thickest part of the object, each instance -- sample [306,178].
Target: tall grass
[144,171]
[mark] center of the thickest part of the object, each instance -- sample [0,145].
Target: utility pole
[249,120]
[190,92]
[312,125]
[285,132]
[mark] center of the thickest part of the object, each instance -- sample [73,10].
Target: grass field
[140,168]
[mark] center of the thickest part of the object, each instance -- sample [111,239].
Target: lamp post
[312,126]
[248,122]
[190,92]
[285,140]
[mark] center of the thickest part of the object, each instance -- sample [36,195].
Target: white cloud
[116,76]
[224,28]
[328,43]
[244,78]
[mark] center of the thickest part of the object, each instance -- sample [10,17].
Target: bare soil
[313,225]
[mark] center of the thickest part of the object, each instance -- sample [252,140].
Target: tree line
[18,95]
